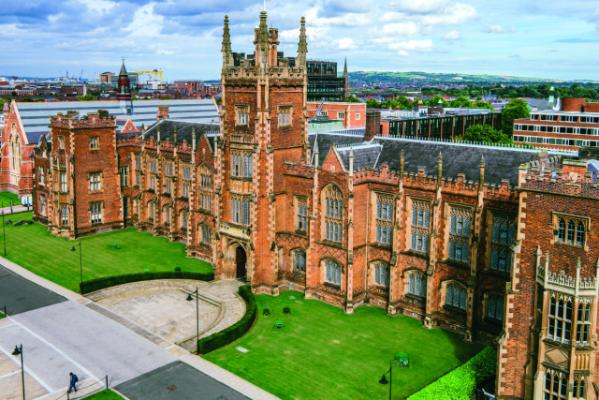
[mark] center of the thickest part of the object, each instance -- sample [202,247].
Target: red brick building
[487,241]
[352,115]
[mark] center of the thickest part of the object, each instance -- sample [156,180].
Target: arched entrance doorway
[240,262]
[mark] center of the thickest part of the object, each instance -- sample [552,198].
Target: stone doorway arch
[240,263]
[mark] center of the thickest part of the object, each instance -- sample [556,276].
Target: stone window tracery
[333,208]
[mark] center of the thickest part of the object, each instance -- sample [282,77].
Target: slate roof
[184,130]
[500,162]
[366,155]
[35,117]
[326,141]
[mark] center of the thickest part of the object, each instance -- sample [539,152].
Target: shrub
[102,283]
[461,382]
[235,331]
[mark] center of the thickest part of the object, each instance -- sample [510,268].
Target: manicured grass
[7,197]
[113,253]
[105,395]
[322,353]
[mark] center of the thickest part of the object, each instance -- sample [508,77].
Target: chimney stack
[162,113]
[373,123]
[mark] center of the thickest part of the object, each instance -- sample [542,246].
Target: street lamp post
[3,233]
[16,352]
[384,381]
[80,260]
[190,298]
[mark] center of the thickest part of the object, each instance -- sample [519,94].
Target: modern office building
[324,83]
[573,126]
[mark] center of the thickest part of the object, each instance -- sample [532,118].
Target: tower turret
[226,45]
[302,46]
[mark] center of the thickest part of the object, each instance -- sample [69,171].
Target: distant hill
[415,78]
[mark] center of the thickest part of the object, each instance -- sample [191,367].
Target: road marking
[29,372]
[62,353]
[10,374]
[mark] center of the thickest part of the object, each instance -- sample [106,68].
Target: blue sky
[550,38]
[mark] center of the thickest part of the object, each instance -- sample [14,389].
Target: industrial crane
[156,72]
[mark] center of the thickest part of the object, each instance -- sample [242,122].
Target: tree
[514,109]
[461,102]
[486,134]
[437,101]
[353,99]
[372,103]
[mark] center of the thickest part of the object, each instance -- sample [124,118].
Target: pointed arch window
[333,208]
[456,295]
[421,215]
[416,283]
[332,272]
[459,234]
[502,238]
[384,218]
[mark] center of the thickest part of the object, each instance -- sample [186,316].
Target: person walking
[73,382]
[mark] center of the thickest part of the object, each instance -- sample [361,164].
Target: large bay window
[559,324]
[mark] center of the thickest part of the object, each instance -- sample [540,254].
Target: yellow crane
[156,72]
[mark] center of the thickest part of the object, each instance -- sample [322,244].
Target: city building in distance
[495,243]
[573,126]
[324,83]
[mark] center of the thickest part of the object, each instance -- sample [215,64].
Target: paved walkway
[161,307]
[69,335]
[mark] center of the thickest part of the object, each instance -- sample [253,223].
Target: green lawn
[113,253]
[105,395]
[322,353]
[6,197]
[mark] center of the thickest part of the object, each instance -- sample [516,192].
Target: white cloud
[453,14]
[401,28]
[54,18]
[420,6]
[406,46]
[496,28]
[145,23]
[97,6]
[452,36]
[345,43]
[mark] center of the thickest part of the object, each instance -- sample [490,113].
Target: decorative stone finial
[302,46]
[402,161]
[226,44]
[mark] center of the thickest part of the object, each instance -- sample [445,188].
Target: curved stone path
[160,307]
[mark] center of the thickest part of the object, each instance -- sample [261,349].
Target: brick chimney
[373,123]
[162,113]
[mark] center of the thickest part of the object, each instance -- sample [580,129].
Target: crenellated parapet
[72,120]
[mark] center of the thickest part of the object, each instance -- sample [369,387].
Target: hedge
[461,382]
[102,283]
[235,331]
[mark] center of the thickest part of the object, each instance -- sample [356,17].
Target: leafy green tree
[482,104]
[461,102]
[486,134]
[352,99]
[514,109]
[372,103]
[88,97]
[437,101]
